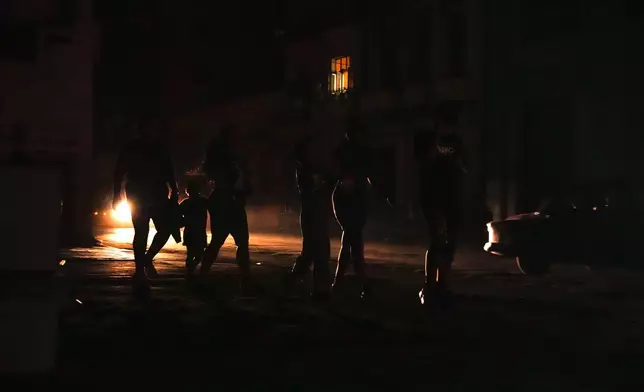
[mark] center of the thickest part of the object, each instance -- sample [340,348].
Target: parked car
[597,225]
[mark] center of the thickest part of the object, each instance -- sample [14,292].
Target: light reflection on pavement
[476,274]
[278,250]
[472,267]
[283,248]
[117,246]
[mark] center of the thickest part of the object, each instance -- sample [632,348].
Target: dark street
[424,195]
[573,330]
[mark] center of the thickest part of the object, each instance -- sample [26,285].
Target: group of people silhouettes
[151,189]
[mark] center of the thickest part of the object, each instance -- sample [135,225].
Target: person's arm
[374,178]
[304,176]
[119,175]
[182,210]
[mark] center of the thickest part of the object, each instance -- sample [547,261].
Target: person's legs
[432,255]
[199,252]
[351,213]
[341,210]
[438,259]
[357,255]
[322,249]
[445,262]
[195,256]
[344,258]
[301,265]
[432,227]
[303,261]
[141,224]
[239,231]
[219,231]
[161,224]
[191,257]
[355,227]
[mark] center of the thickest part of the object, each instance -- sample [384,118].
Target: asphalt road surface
[574,330]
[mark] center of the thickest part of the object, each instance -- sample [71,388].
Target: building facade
[46,94]
[389,69]
[561,103]
[385,67]
[535,102]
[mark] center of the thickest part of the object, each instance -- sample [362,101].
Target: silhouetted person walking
[440,171]
[194,211]
[227,202]
[350,204]
[315,191]
[146,168]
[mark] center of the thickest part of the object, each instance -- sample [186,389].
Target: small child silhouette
[194,210]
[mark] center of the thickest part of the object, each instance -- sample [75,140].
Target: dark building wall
[559,101]
[402,58]
[47,96]
[406,59]
[168,58]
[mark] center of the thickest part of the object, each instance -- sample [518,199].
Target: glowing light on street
[122,212]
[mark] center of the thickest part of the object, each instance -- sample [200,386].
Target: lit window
[340,78]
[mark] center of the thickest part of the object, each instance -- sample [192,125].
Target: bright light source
[122,212]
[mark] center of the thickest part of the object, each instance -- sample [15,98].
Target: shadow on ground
[209,335]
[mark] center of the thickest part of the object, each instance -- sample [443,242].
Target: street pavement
[575,329]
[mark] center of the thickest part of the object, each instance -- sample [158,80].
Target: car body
[596,225]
